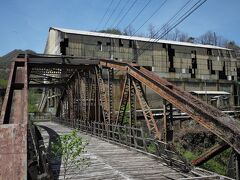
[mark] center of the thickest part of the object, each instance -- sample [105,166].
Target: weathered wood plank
[111,161]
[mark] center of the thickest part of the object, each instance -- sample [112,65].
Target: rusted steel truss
[225,127]
[151,123]
[13,124]
[86,95]
[215,150]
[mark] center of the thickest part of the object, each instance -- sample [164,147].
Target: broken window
[63,46]
[209,52]
[222,74]
[194,59]
[171,54]
[99,44]
[210,67]
[120,43]
[108,43]
[228,54]
[221,53]
[209,63]
[130,43]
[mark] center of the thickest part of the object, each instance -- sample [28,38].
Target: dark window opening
[148,68]
[193,74]
[238,74]
[99,44]
[209,52]
[222,74]
[171,54]
[234,55]
[221,53]
[130,43]
[228,54]
[164,46]
[235,92]
[120,43]
[108,43]
[194,52]
[63,46]
[209,63]
[210,66]
[194,63]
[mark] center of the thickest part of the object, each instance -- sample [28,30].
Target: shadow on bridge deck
[49,138]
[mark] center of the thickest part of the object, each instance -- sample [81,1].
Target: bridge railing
[129,136]
[40,117]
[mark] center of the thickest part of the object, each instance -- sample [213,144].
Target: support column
[110,94]
[167,122]
[132,101]
[237,160]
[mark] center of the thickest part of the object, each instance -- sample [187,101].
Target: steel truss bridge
[86,101]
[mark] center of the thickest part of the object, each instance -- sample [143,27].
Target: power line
[114,10]
[149,1]
[120,12]
[186,15]
[104,15]
[126,13]
[183,17]
[181,9]
[180,20]
[149,17]
[174,17]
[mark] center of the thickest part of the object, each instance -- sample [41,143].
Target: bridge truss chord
[103,97]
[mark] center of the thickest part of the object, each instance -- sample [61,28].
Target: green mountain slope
[5,63]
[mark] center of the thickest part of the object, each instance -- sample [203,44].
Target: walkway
[111,161]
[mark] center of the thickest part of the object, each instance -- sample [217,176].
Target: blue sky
[25,23]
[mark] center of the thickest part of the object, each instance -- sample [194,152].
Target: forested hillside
[5,63]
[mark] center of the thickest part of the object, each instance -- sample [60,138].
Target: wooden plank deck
[111,161]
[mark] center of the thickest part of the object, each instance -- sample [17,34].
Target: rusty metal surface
[13,151]
[103,97]
[215,150]
[225,127]
[151,123]
[8,93]
[14,117]
[14,120]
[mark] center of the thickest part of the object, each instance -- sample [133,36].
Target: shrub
[70,147]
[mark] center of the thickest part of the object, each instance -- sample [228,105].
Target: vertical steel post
[132,102]
[167,122]
[110,93]
[237,160]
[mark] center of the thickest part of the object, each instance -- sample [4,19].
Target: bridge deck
[111,161]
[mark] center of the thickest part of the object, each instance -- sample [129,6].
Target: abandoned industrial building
[120,89]
[207,71]
[115,90]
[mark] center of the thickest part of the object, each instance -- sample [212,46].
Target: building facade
[193,67]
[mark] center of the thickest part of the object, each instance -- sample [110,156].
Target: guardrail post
[143,140]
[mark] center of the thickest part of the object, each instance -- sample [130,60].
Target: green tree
[70,147]
[111,31]
[33,98]
[3,83]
